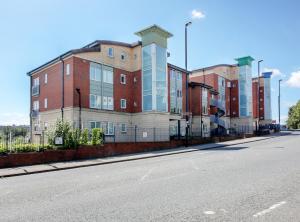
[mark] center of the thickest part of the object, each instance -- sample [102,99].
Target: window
[68,69]
[95,101]
[108,103]
[123,79]
[45,103]
[204,109]
[135,56]
[36,81]
[233,99]
[95,124]
[110,52]
[108,128]
[123,103]
[36,105]
[123,128]
[108,75]
[123,56]
[95,72]
[46,78]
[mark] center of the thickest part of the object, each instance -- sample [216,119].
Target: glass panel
[147,78]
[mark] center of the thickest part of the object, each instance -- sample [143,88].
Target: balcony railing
[213,102]
[34,113]
[36,90]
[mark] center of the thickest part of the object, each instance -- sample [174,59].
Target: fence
[9,143]
[138,134]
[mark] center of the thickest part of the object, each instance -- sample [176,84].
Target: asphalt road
[258,181]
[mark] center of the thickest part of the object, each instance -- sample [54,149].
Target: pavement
[254,181]
[41,168]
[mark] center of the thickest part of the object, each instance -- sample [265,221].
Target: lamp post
[258,99]
[187,87]
[279,82]
[79,94]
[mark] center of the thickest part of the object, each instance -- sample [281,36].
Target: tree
[293,121]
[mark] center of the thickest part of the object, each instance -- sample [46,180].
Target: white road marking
[147,174]
[209,212]
[273,207]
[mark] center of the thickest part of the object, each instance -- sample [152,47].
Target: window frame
[36,105]
[45,103]
[123,54]
[123,128]
[123,76]
[121,103]
[110,52]
[68,71]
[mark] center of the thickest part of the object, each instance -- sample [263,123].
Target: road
[258,181]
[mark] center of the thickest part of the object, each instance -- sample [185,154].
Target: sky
[34,32]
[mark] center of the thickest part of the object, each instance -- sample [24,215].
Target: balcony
[36,90]
[213,102]
[34,113]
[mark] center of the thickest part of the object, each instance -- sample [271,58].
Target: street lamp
[279,81]
[79,94]
[258,102]
[187,87]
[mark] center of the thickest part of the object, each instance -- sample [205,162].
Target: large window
[95,101]
[154,78]
[175,91]
[108,75]
[245,91]
[147,78]
[101,86]
[204,101]
[95,72]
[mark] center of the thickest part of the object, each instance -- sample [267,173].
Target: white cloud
[275,72]
[14,119]
[294,80]
[197,14]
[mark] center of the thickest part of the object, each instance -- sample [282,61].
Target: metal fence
[138,134]
[10,143]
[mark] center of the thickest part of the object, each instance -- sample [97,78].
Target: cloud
[294,80]
[197,14]
[276,72]
[14,119]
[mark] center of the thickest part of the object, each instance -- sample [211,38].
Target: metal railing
[138,134]
[35,90]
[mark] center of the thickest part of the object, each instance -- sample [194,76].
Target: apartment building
[262,112]
[130,90]
[233,104]
[113,85]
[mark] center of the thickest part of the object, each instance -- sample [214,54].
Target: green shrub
[97,136]
[84,137]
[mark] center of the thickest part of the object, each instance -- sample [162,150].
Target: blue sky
[33,32]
